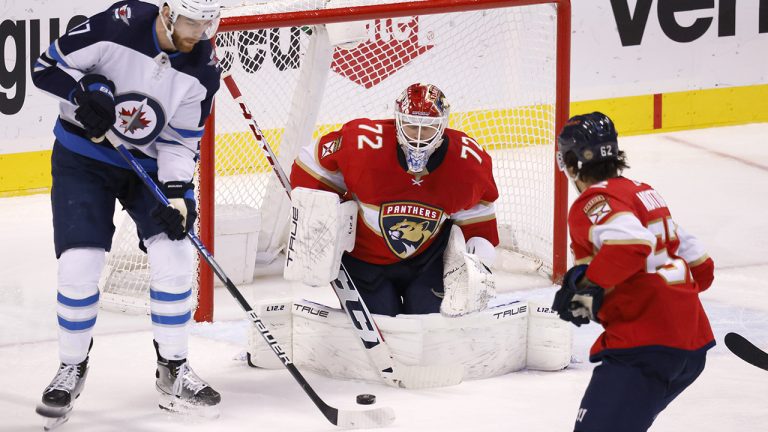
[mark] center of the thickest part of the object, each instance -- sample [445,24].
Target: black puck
[366,399]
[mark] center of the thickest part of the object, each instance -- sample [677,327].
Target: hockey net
[503,66]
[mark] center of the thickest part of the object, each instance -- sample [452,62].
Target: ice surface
[715,180]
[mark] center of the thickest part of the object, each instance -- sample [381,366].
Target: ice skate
[59,396]
[181,390]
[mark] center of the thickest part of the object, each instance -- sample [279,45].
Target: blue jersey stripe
[67,301]
[171,319]
[84,147]
[165,141]
[187,133]
[76,325]
[54,52]
[168,297]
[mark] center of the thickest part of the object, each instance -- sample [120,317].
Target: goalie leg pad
[321,230]
[487,343]
[469,284]
[78,301]
[277,316]
[550,339]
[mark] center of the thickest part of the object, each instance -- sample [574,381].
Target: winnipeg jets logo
[123,13]
[140,118]
[134,120]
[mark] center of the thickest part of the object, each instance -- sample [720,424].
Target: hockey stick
[389,369]
[746,350]
[376,417]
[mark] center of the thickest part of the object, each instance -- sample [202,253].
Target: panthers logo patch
[406,226]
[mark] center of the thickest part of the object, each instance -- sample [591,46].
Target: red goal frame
[204,310]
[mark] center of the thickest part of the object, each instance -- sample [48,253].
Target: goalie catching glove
[578,300]
[178,217]
[469,284]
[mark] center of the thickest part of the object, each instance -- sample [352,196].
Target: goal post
[503,65]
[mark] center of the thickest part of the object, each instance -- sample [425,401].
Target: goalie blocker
[321,230]
[487,343]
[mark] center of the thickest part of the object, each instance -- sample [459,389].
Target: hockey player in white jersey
[147,73]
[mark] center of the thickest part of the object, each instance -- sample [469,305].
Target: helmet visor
[560,160]
[188,28]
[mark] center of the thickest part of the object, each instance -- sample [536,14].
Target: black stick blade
[746,350]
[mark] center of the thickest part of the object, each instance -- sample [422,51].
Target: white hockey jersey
[163,99]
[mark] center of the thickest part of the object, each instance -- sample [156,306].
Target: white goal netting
[497,68]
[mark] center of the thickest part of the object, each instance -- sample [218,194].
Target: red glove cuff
[704,274]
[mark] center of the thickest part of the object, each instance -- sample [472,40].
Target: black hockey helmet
[591,137]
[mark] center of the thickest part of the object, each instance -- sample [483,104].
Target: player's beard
[184,45]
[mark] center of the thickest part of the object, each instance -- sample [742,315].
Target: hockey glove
[179,217]
[94,96]
[575,304]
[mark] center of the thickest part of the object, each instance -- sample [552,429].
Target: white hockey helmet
[206,14]
[421,116]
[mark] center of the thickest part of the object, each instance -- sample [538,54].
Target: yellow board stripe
[28,173]
[25,173]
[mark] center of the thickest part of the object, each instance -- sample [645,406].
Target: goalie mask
[190,21]
[421,115]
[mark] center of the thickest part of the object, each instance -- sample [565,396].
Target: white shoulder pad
[320,231]
[550,339]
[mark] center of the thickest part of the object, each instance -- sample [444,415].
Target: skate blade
[53,412]
[54,416]
[54,422]
[179,406]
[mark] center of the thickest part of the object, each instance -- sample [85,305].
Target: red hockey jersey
[625,232]
[401,213]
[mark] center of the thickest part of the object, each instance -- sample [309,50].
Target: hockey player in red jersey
[637,273]
[412,178]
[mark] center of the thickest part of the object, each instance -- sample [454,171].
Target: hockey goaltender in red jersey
[639,274]
[412,178]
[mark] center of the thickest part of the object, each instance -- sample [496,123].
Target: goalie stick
[389,369]
[376,417]
[746,350]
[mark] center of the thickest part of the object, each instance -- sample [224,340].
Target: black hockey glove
[179,217]
[574,304]
[94,96]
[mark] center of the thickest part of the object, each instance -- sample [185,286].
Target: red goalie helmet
[421,115]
